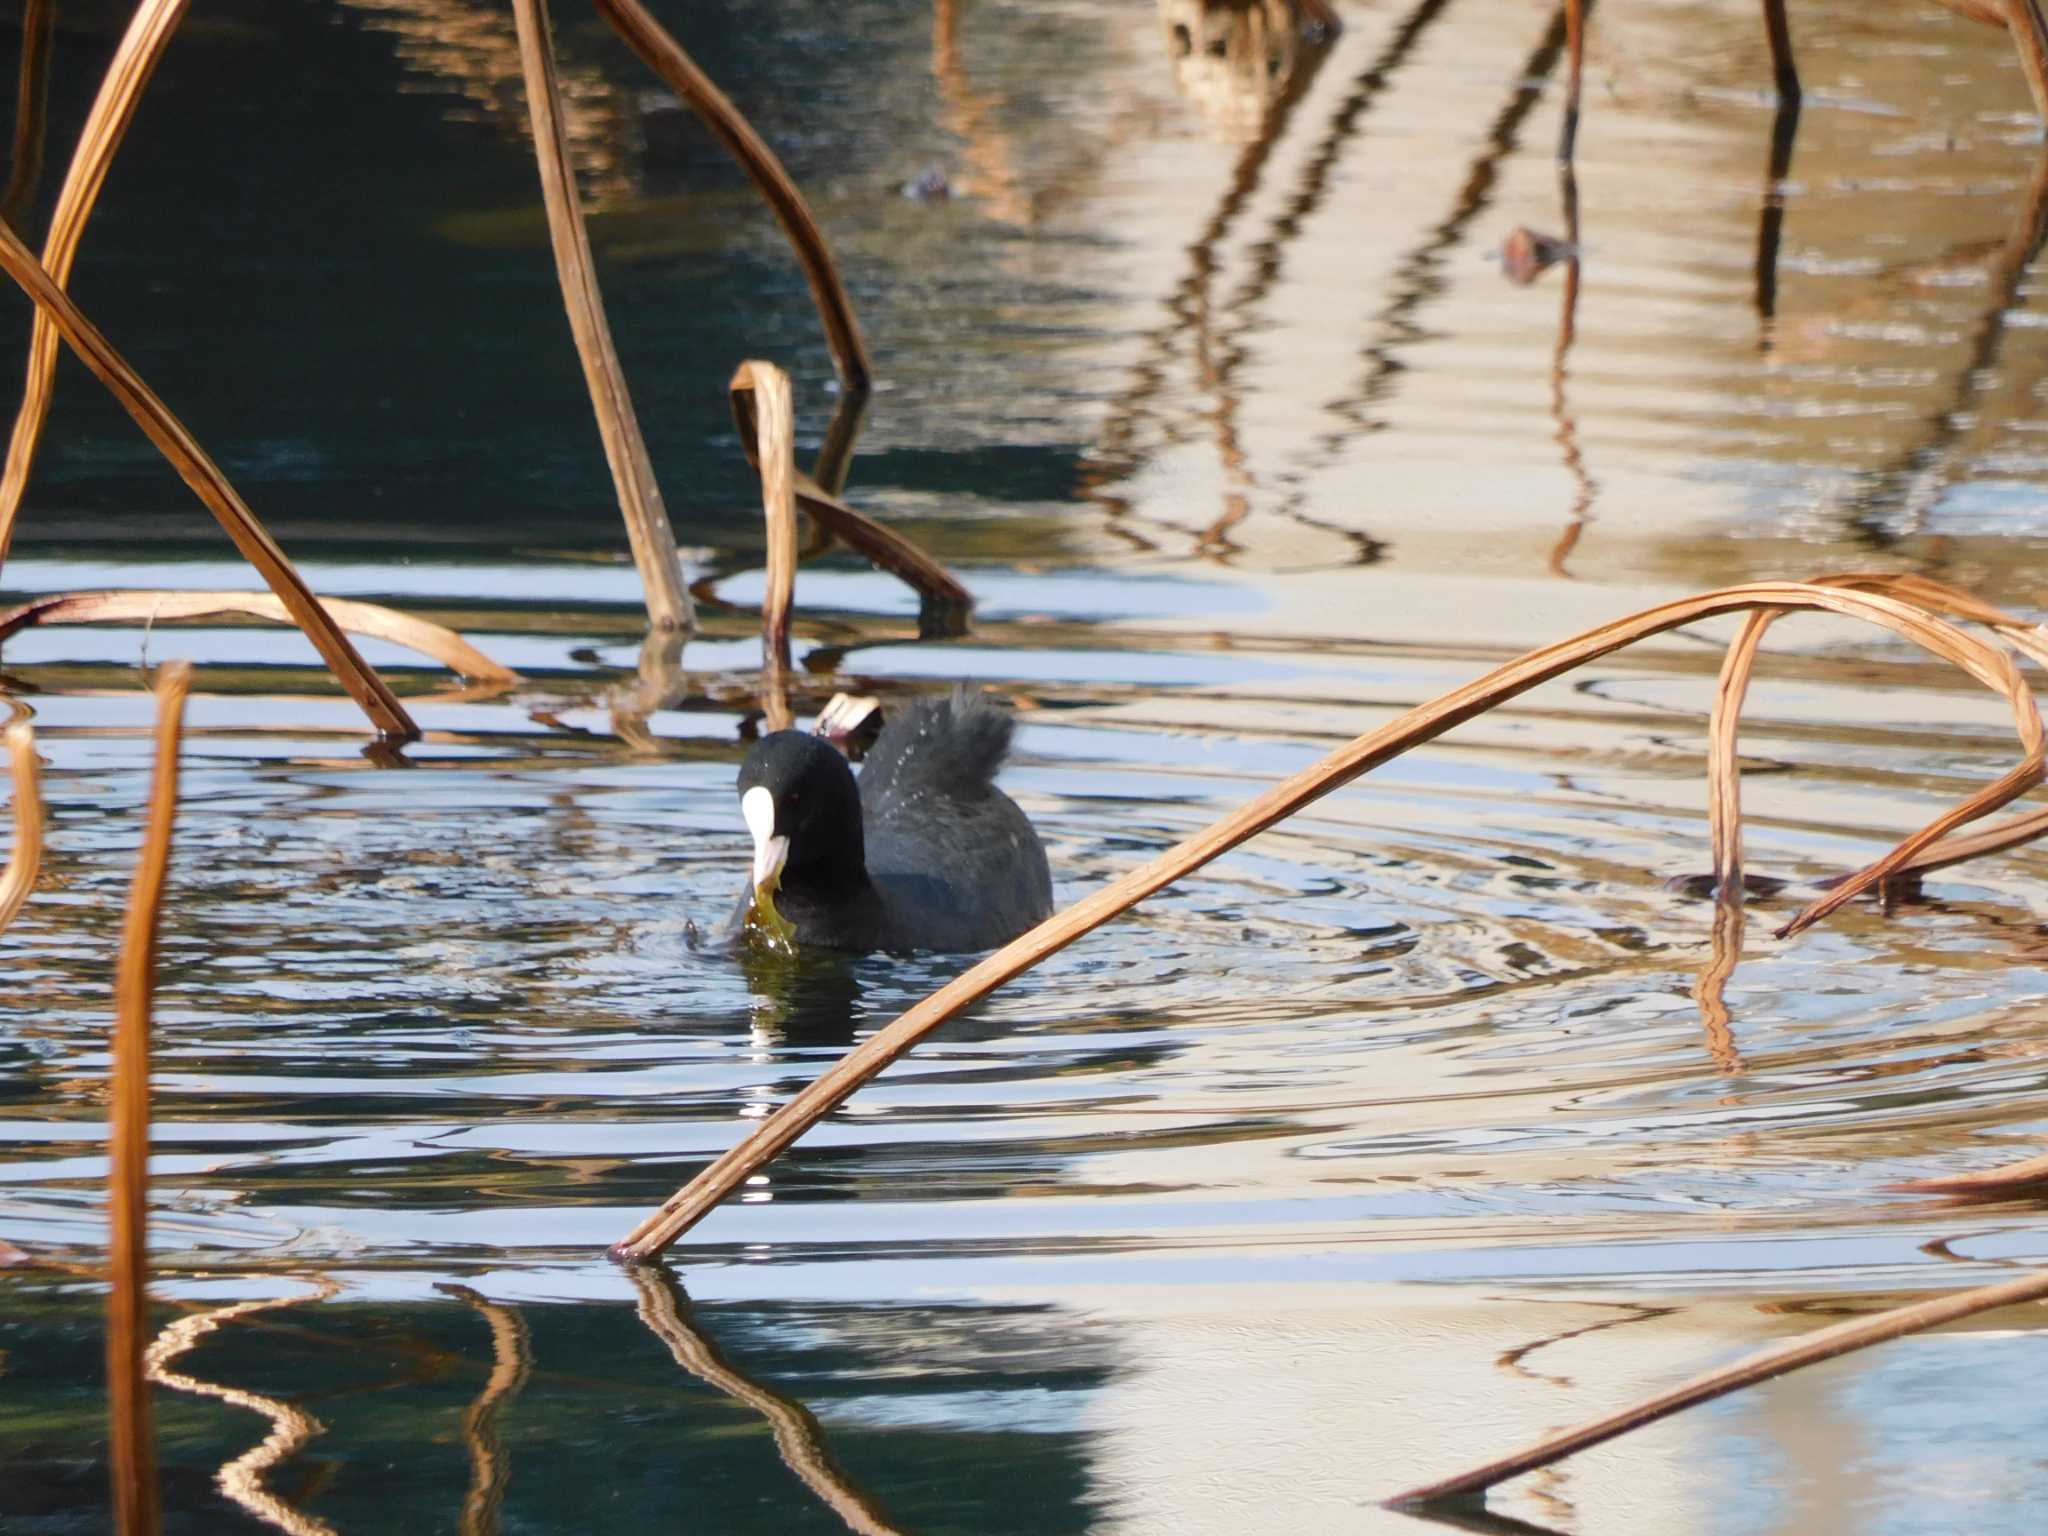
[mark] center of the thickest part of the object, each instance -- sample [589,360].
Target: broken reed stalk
[26,861]
[134,1445]
[1983,661]
[134,61]
[887,549]
[204,476]
[647,526]
[774,420]
[799,1440]
[31,114]
[373,619]
[1826,1344]
[665,56]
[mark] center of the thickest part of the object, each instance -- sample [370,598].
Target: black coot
[923,853]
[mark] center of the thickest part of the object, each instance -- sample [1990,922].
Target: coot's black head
[801,803]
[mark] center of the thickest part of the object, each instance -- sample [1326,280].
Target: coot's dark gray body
[925,854]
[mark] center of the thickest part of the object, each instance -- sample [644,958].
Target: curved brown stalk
[886,548]
[799,1440]
[18,879]
[211,486]
[31,112]
[133,1438]
[647,525]
[662,54]
[380,623]
[1724,802]
[512,1364]
[1825,1344]
[135,60]
[290,1428]
[1987,664]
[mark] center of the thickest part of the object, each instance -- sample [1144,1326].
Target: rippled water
[1379,1146]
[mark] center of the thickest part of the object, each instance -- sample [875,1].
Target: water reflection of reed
[241,1479]
[1419,276]
[512,1365]
[473,49]
[799,1438]
[1191,310]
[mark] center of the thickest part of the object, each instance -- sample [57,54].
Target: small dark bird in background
[922,852]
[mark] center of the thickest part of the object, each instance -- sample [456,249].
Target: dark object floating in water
[923,852]
[931,187]
[1526,255]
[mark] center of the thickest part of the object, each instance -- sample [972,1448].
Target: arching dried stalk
[134,1444]
[380,623]
[135,60]
[204,476]
[25,862]
[885,547]
[1988,664]
[662,54]
[1825,1344]
[647,525]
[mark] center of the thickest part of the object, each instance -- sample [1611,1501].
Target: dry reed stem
[512,1364]
[799,1440]
[886,548]
[134,1444]
[31,111]
[204,476]
[18,879]
[1826,1344]
[647,524]
[1987,664]
[2027,1175]
[134,61]
[241,1479]
[772,415]
[162,607]
[665,56]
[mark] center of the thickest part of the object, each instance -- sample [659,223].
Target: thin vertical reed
[26,860]
[135,60]
[773,420]
[211,486]
[134,1444]
[647,526]
[665,56]
[31,110]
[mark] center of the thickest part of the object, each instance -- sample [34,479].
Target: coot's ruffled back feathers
[950,744]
